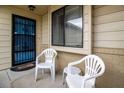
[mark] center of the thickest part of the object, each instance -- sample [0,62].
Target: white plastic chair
[74,70]
[50,55]
[94,67]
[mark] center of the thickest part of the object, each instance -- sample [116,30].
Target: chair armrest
[70,65]
[73,63]
[38,57]
[76,62]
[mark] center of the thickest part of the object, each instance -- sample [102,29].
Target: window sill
[70,49]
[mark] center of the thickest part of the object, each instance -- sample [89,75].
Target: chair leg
[53,73]
[66,85]
[93,86]
[42,71]
[63,78]
[36,71]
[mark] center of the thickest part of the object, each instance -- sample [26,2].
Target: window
[58,27]
[67,27]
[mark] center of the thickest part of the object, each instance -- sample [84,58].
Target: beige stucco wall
[6,32]
[107,41]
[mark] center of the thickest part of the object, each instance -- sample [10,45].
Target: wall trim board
[111,51]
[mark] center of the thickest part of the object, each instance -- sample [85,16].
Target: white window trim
[70,49]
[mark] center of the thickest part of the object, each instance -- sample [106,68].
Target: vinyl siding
[108,33]
[6,32]
[45,32]
[108,22]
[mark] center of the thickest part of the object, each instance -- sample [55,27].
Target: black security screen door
[23,40]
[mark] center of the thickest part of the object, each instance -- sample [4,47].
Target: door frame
[13,40]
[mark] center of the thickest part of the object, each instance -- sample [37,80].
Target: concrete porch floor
[25,79]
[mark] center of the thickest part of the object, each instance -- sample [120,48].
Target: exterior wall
[45,32]
[114,72]
[86,31]
[108,26]
[66,55]
[6,32]
[108,43]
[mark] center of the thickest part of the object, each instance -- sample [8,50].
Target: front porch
[102,34]
[25,79]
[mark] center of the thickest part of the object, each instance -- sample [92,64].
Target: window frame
[82,45]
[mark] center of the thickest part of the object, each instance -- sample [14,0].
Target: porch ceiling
[39,10]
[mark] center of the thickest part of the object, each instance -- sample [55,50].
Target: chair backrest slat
[50,55]
[93,65]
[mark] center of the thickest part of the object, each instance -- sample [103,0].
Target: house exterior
[103,35]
